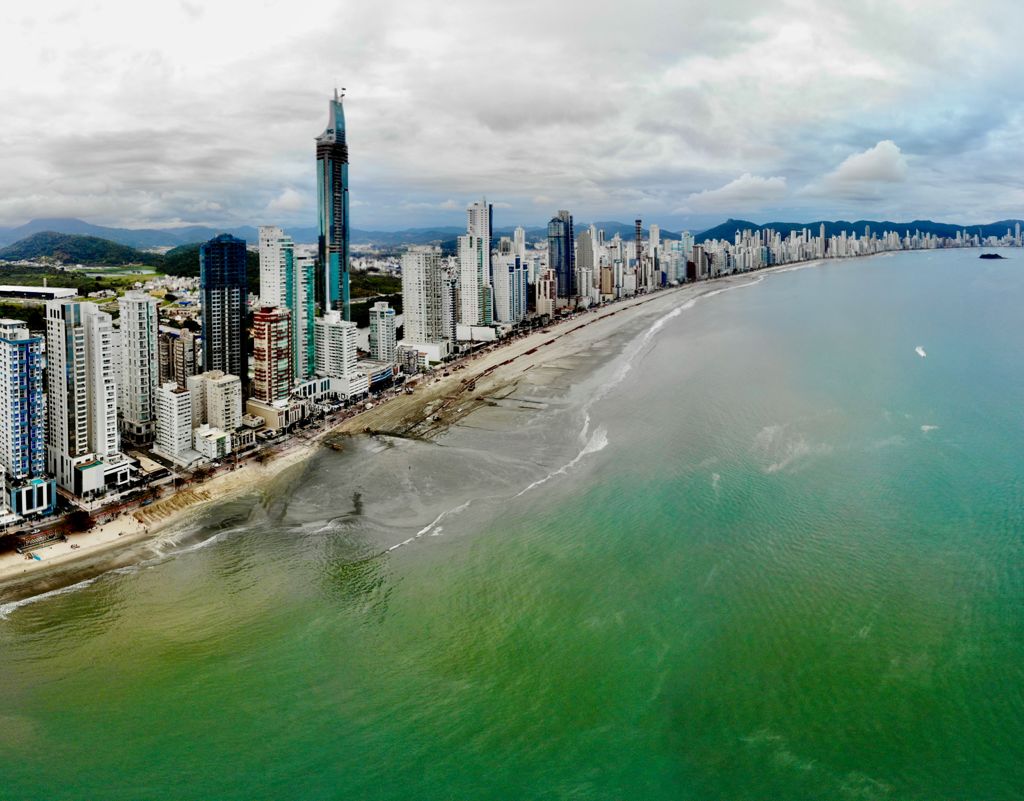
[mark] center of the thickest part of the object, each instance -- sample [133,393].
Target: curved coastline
[428,412]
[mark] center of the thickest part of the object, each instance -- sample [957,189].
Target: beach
[440,400]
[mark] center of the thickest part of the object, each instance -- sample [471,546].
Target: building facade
[223,293]
[336,346]
[562,254]
[26,487]
[382,332]
[300,300]
[272,354]
[174,421]
[510,289]
[82,440]
[216,399]
[332,290]
[139,368]
[277,252]
[428,296]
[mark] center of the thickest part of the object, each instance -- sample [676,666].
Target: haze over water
[769,552]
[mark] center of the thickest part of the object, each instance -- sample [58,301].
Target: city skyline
[802,111]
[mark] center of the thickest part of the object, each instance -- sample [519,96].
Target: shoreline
[437,403]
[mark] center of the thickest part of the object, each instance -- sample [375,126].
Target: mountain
[143,237]
[74,249]
[729,228]
[184,235]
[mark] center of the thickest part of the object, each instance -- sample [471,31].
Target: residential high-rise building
[272,354]
[382,332]
[428,296]
[216,399]
[277,252]
[510,289]
[300,300]
[337,347]
[288,281]
[26,487]
[519,242]
[584,264]
[82,441]
[223,294]
[547,288]
[480,222]
[476,300]
[180,355]
[174,421]
[332,289]
[139,368]
[561,254]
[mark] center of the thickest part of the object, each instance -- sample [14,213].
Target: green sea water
[757,548]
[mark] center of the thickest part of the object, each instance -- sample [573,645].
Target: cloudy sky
[683,113]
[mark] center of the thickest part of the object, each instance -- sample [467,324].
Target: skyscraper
[475,292]
[561,254]
[139,376]
[382,332]
[26,488]
[272,354]
[82,442]
[180,355]
[216,399]
[332,289]
[336,346]
[519,242]
[475,299]
[277,253]
[223,293]
[174,421]
[509,289]
[300,300]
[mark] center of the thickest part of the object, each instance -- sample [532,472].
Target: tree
[77,522]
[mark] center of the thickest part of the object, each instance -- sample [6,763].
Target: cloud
[569,114]
[884,163]
[744,193]
[289,200]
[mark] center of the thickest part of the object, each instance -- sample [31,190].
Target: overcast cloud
[683,113]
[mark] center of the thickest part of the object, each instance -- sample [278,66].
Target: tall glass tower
[562,254]
[224,298]
[332,290]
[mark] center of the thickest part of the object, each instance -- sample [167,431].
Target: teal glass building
[332,290]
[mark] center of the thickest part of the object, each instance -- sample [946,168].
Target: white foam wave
[927,428]
[597,442]
[8,608]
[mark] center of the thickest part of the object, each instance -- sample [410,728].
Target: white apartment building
[336,346]
[216,399]
[428,296]
[174,422]
[139,366]
[277,253]
[510,290]
[382,332]
[83,444]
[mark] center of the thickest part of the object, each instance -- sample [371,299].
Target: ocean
[769,545]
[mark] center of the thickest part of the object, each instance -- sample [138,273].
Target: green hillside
[75,249]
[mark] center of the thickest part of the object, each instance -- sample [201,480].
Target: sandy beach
[438,402]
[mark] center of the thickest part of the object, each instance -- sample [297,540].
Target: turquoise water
[774,554]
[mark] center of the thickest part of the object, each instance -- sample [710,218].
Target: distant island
[991,256]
